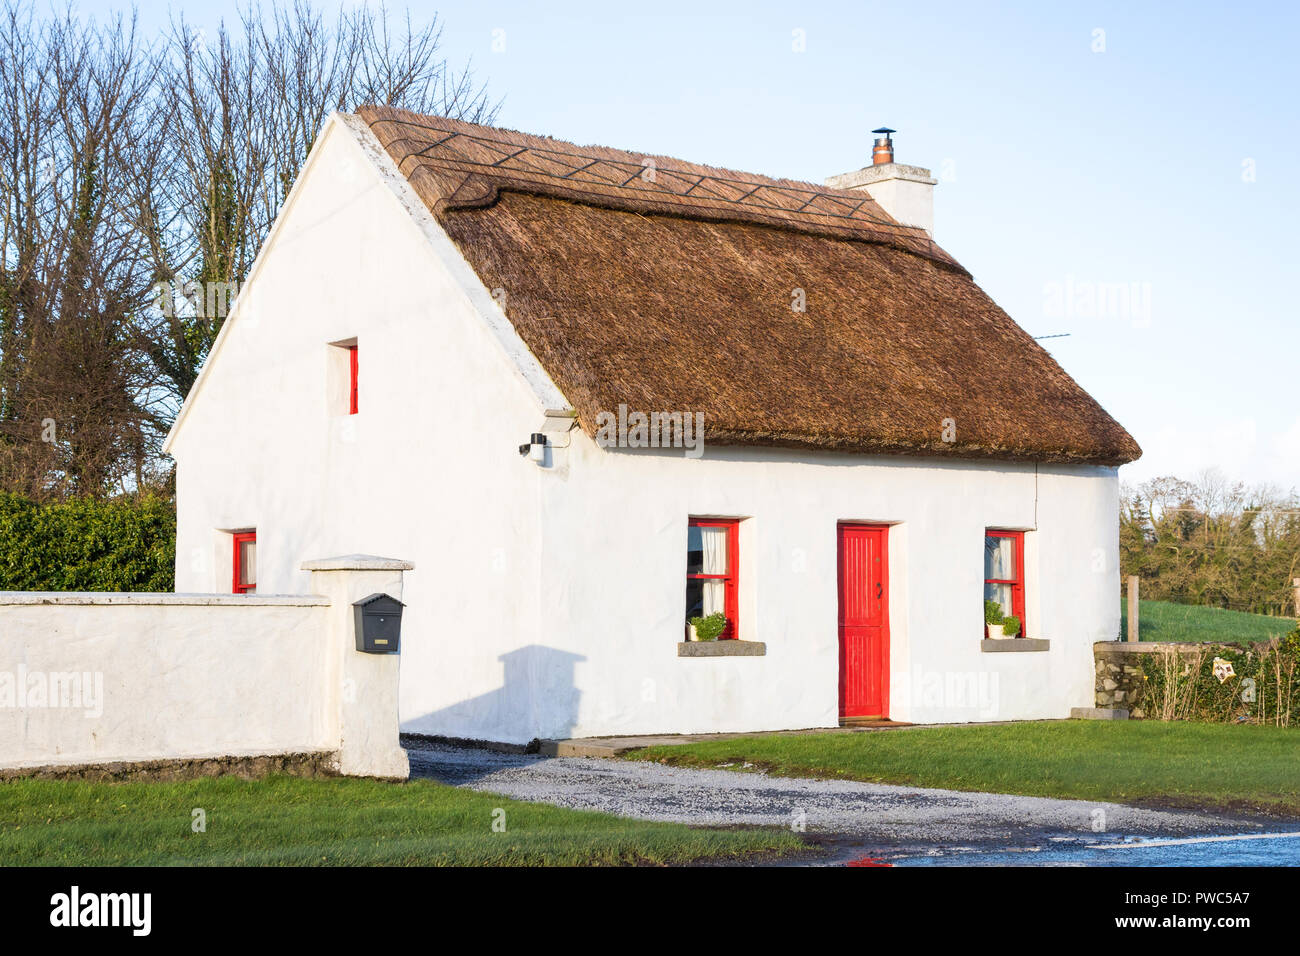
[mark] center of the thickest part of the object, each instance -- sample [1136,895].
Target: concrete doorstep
[616,746]
[1098,713]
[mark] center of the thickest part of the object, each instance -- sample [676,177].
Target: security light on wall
[536,448]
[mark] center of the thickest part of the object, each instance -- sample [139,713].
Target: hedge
[1264,687]
[86,545]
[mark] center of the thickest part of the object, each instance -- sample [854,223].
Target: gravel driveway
[855,817]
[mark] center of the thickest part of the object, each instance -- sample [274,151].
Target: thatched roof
[671,290]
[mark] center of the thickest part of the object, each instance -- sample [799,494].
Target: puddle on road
[1253,849]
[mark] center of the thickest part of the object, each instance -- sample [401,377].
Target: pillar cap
[358,562]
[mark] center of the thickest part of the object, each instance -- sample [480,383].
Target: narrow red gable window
[712,571]
[352,380]
[245,560]
[1004,572]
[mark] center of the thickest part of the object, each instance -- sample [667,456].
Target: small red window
[245,560]
[1004,572]
[712,571]
[352,379]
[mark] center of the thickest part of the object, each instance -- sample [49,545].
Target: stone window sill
[1013,645]
[721,649]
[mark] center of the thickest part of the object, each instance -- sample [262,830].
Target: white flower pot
[995,632]
[690,633]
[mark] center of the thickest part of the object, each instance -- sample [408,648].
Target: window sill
[721,649]
[1012,645]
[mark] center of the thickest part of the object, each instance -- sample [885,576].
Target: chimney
[883,151]
[905,192]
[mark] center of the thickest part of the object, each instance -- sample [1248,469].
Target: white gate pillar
[363,685]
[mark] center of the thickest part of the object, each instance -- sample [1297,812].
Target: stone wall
[1119,677]
[1118,668]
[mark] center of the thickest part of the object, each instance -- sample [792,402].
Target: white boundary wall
[97,678]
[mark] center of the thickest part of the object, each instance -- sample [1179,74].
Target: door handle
[879,588]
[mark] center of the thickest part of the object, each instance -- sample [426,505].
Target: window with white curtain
[1004,572]
[245,562]
[712,556]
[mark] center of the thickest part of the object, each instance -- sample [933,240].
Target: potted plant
[1011,626]
[993,619]
[707,628]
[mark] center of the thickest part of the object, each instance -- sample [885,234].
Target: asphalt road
[903,825]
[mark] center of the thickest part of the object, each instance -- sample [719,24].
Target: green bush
[708,628]
[1011,625]
[87,545]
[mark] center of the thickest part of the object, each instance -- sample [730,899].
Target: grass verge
[1219,766]
[294,821]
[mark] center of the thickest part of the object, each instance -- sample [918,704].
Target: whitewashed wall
[263,446]
[124,678]
[549,602]
[623,612]
[179,676]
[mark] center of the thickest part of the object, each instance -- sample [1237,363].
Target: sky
[1125,173]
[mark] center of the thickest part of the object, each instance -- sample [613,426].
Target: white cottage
[593,394]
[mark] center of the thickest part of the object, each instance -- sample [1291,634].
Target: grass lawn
[1178,764]
[1163,621]
[292,821]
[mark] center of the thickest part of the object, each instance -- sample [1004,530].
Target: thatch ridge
[662,310]
[457,165]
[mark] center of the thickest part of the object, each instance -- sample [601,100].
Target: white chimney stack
[905,192]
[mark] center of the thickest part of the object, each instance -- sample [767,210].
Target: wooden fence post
[1133,634]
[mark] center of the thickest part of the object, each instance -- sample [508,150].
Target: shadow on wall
[538,698]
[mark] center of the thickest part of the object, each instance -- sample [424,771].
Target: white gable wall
[261,448]
[548,602]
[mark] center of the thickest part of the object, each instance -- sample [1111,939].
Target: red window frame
[1018,582]
[352,379]
[731,579]
[238,538]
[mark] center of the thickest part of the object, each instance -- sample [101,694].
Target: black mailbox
[378,624]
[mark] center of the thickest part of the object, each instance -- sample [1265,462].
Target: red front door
[864,620]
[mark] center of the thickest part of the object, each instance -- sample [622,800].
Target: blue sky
[1158,157]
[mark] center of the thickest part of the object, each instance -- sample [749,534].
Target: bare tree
[137,183]
[248,104]
[1211,541]
[74,268]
